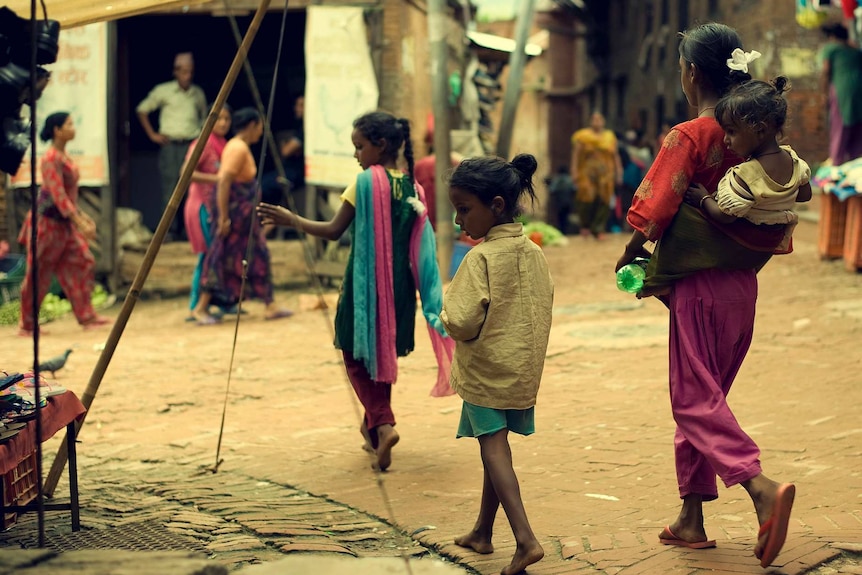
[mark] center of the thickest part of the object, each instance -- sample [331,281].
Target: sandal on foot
[773,533]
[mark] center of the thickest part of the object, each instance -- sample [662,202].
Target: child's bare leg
[479,539]
[497,458]
[369,440]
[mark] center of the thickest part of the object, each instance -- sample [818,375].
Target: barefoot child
[764,188]
[498,310]
[392,255]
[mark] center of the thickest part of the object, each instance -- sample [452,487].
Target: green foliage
[53,307]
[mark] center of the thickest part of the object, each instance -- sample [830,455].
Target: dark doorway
[146,46]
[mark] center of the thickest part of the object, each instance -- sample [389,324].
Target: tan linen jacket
[498,310]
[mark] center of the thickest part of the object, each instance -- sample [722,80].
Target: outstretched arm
[330,230]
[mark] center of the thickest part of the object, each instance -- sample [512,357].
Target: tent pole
[156,243]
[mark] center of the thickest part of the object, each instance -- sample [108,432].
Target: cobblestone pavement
[232,518]
[597,478]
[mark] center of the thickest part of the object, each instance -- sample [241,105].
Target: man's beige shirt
[181,112]
[498,309]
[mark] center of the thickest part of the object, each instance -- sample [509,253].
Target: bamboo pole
[439,51]
[517,59]
[156,243]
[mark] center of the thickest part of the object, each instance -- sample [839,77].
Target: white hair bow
[739,59]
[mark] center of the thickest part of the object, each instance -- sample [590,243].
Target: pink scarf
[423,265]
[387,358]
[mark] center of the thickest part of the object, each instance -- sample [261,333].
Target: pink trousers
[375,396]
[711,326]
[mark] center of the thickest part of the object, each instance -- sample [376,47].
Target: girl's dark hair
[487,177]
[754,102]
[836,30]
[376,126]
[53,122]
[243,117]
[708,47]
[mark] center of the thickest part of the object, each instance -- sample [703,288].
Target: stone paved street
[597,478]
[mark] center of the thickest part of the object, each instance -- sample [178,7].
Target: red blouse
[60,180]
[692,153]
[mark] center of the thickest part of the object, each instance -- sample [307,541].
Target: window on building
[648,16]
[682,15]
[659,111]
[623,8]
[665,11]
[713,7]
[683,110]
[622,85]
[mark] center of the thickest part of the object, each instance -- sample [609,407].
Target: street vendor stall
[841,213]
[18,469]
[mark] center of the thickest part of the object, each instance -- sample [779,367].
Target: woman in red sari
[62,232]
[711,311]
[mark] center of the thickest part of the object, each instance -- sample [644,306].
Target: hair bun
[738,77]
[525,165]
[781,84]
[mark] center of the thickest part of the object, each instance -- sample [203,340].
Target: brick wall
[405,88]
[788,49]
[640,82]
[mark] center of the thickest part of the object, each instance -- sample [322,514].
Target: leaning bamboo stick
[156,243]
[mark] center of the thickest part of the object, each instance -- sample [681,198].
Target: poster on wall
[340,85]
[78,86]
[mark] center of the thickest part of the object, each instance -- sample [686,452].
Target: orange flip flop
[668,538]
[775,528]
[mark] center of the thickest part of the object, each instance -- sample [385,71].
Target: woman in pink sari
[712,310]
[201,199]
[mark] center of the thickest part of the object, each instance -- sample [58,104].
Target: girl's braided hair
[376,126]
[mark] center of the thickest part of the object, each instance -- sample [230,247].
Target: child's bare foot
[475,541]
[525,555]
[387,437]
[369,442]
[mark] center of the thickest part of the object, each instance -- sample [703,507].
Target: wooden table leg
[73,477]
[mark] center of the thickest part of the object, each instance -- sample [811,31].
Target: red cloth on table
[61,410]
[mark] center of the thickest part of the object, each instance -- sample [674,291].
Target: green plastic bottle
[630,278]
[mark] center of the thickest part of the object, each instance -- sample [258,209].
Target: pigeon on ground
[55,363]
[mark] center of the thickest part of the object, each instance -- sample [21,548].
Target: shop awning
[71,13]
[500,44]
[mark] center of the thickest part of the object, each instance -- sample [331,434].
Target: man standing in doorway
[182,109]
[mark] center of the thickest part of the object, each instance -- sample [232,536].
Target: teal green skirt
[477,421]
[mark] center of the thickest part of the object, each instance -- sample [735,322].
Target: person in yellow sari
[597,168]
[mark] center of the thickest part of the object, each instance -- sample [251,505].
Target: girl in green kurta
[378,138]
[841,82]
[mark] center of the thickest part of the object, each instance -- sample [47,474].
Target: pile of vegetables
[53,307]
[550,235]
